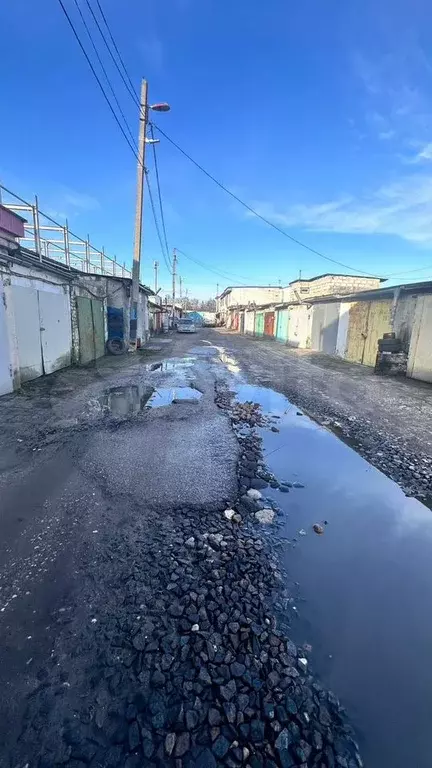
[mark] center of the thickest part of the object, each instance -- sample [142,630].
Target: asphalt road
[108,473]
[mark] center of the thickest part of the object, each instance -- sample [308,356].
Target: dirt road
[161,583]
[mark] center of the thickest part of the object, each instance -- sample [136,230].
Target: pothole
[126,400]
[176,395]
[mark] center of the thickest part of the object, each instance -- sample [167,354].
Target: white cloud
[79,201]
[402,209]
[386,135]
[423,156]
[396,95]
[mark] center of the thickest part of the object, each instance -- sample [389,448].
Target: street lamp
[161,106]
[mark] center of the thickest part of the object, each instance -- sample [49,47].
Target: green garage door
[259,324]
[90,329]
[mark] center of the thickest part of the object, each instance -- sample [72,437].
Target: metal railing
[51,240]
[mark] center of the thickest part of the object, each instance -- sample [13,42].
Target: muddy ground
[157,601]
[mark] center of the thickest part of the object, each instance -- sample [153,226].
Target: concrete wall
[115,292]
[328,285]
[242,296]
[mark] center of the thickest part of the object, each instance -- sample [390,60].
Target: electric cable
[95,75]
[105,73]
[254,212]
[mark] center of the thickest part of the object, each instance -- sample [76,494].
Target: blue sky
[317,114]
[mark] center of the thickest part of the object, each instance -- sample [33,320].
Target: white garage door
[26,311]
[55,327]
[5,359]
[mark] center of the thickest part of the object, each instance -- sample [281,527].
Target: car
[184,325]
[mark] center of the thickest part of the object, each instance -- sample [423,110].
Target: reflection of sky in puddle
[172,364]
[166,395]
[125,401]
[365,595]
[230,362]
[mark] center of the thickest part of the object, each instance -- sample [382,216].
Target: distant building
[328,284]
[243,296]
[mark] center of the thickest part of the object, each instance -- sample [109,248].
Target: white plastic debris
[195,627]
[229,514]
[303,664]
[302,532]
[254,494]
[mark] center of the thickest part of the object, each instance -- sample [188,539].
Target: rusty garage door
[90,329]
[368,321]
[269,321]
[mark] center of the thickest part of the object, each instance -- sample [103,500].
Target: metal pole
[138,217]
[36,233]
[102,260]
[124,269]
[37,229]
[174,285]
[87,254]
[156,267]
[180,289]
[66,243]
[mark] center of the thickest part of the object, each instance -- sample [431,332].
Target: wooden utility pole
[174,271]
[156,267]
[138,217]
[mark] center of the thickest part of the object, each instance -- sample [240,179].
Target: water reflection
[125,401]
[365,594]
[166,395]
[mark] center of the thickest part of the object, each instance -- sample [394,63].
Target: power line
[105,73]
[204,266]
[159,193]
[253,211]
[127,86]
[116,48]
[96,77]
[169,268]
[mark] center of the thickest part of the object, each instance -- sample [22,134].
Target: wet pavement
[359,592]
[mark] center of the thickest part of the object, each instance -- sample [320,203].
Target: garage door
[420,352]
[6,384]
[90,329]
[325,327]
[27,329]
[55,326]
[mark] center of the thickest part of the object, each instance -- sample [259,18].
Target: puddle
[365,595]
[172,364]
[176,395]
[125,401]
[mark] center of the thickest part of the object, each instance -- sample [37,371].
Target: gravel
[186,664]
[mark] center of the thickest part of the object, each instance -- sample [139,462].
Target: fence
[51,240]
